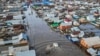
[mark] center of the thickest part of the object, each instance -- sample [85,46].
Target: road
[41,35]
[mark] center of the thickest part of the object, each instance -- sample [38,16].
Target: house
[90,42]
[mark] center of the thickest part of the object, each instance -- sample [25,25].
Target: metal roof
[26,53]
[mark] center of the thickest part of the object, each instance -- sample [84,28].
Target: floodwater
[41,35]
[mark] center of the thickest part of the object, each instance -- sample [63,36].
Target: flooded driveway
[40,35]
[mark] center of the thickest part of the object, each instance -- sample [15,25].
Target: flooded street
[49,28]
[41,35]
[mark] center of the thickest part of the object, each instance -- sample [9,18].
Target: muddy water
[40,35]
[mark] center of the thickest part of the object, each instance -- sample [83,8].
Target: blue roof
[44,2]
[26,53]
[25,36]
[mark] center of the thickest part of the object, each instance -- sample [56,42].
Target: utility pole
[74,2]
